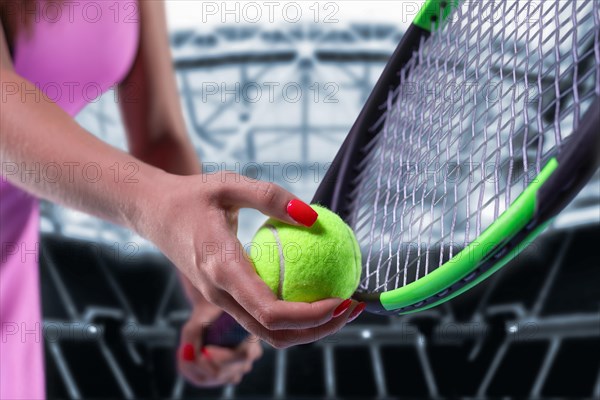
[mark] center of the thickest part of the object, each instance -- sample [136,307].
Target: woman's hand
[211,366]
[193,220]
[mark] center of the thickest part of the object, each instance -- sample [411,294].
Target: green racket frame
[463,266]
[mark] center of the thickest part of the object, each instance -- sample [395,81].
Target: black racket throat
[576,166]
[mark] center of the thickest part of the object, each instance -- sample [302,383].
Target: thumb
[266,197]
[189,344]
[191,350]
[191,341]
[192,332]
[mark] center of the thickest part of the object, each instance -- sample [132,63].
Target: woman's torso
[73,57]
[78,50]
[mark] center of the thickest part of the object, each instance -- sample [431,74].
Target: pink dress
[72,54]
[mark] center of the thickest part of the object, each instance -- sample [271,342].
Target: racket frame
[554,187]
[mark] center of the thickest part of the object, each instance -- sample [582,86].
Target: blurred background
[270,91]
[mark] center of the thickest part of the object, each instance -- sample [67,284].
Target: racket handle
[224,332]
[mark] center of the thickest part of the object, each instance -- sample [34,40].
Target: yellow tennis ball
[308,264]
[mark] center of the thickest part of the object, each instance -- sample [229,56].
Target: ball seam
[281,260]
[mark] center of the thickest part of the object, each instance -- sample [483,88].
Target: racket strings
[414,206]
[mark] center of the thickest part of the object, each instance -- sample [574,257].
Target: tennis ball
[308,264]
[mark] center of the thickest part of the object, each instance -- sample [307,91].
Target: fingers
[191,333]
[247,289]
[235,286]
[213,366]
[231,365]
[252,347]
[303,336]
[250,301]
[190,350]
[195,367]
[286,338]
[236,379]
[246,354]
[293,335]
[267,197]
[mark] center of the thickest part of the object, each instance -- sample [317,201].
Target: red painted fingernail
[188,353]
[356,312]
[302,212]
[206,353]
[344,305]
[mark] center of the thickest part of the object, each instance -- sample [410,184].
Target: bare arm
[155,127]
[35,134]
[179,214]
[157,135]
[149,103]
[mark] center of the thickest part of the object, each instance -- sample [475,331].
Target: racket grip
[224,332]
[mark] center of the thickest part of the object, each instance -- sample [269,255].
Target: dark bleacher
[532,330]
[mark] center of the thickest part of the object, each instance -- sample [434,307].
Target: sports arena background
[275,101]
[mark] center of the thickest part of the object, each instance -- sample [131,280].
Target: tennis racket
[482,127]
